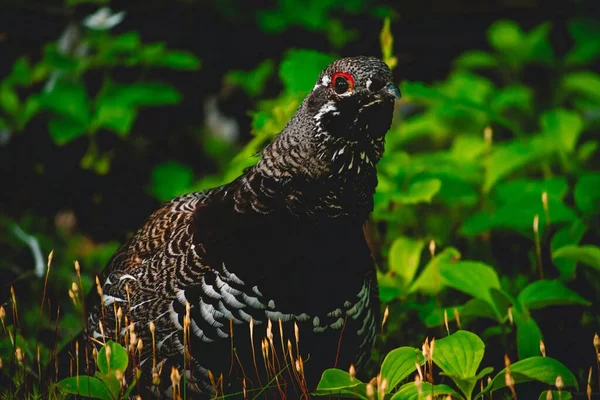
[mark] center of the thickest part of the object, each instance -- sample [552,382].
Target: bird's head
[352,105]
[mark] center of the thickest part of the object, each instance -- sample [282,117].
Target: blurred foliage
[486,212]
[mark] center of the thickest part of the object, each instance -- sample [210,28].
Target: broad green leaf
[476,279]
[419,192]
[476,59]
[468,147]
[142,94]
[587,193]
[126,42]
[115,117]
[542,369]
[505,36]
[587,254]
[178,59]
[404,258]
[9,100]
[563,127]
[118,359]
[386,40]
[253,82]
[411,391]
[300,67]
[568,235]
[21,73]
[586,83]
[64,130]
[518,97]
[170,179]
[546,293]
[478,308]
[399,364]
[459,356]
[430,280]
[68,99]
[510,156]
[87,386]
[528,334]
[555,395]
[336,381]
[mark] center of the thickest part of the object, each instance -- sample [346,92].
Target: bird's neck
[310,180]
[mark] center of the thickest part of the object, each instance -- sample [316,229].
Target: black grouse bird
[213,279]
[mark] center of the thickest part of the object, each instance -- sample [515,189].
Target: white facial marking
[326,80]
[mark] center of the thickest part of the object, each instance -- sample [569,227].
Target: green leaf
[410,391]
[555,395]
[21,73]
[142,94]
[587,193]
[568,235]
[180,60]
[546,293]
[68,99]
[586,35]
[64,130]
[430,281]
[404,258]
[476,279]
[170,179]
[518,97]
[126,42]
[529,334]
[459,356]
[511,156]
[9,100]
[476,59]
[118,358]
[419,192]
[505,36]
[399,364]
[87,386]
[537,47]
[115,117]
[532,189]
[300,67]
[542,369]
[336,381]
[587,254]
[585,83]
[386,39]
[253,82]
[563,127]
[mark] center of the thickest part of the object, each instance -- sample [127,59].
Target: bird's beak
[392,90]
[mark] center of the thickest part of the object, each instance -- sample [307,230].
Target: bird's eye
[375,84]
[342,82]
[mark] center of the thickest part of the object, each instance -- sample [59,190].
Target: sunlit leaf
[117,118]
[512,97]
[399,364]
[143,95]
[9,100]
[505,36]
[68,99]
[528,334]
[430,281]
[253,82]
[459,356]
[178,59]
[419,192]
[404,258]
[336,381]
[118,359]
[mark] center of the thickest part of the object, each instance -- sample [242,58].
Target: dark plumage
[283,242]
